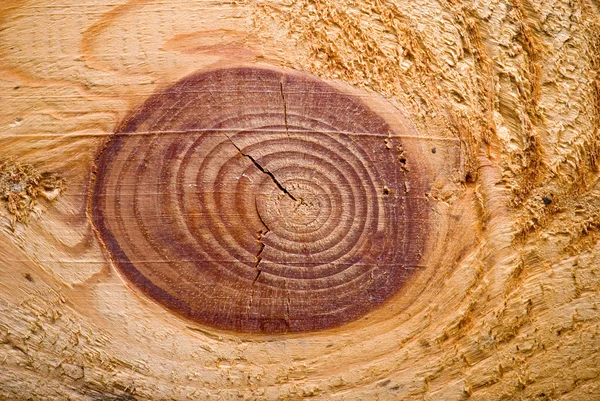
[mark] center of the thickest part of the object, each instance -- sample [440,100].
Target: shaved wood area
[330,200]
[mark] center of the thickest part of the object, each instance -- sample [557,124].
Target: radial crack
[285,121]
[264,170]
[258,257]
[260,237]
[267,172]
[257,273]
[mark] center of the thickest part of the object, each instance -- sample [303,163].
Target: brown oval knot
[253,200]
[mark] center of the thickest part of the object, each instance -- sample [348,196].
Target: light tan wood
[506,306]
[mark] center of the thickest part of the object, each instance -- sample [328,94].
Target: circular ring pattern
[255,200]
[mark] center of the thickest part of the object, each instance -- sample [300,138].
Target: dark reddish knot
[250,200]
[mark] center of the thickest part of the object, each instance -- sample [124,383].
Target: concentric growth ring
[253,200]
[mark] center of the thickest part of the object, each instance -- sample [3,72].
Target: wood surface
[257,201]
[462,135]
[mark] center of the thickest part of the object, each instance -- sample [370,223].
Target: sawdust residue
[21,187]
[390,49]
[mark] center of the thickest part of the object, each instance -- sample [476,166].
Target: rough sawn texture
[505,304]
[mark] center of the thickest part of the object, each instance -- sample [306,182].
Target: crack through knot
[264,170]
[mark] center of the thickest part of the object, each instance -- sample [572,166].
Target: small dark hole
[28,277]
[403,160]
[433,150]
[546,200]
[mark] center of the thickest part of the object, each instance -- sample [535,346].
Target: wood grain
[504,303]
[259,201]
